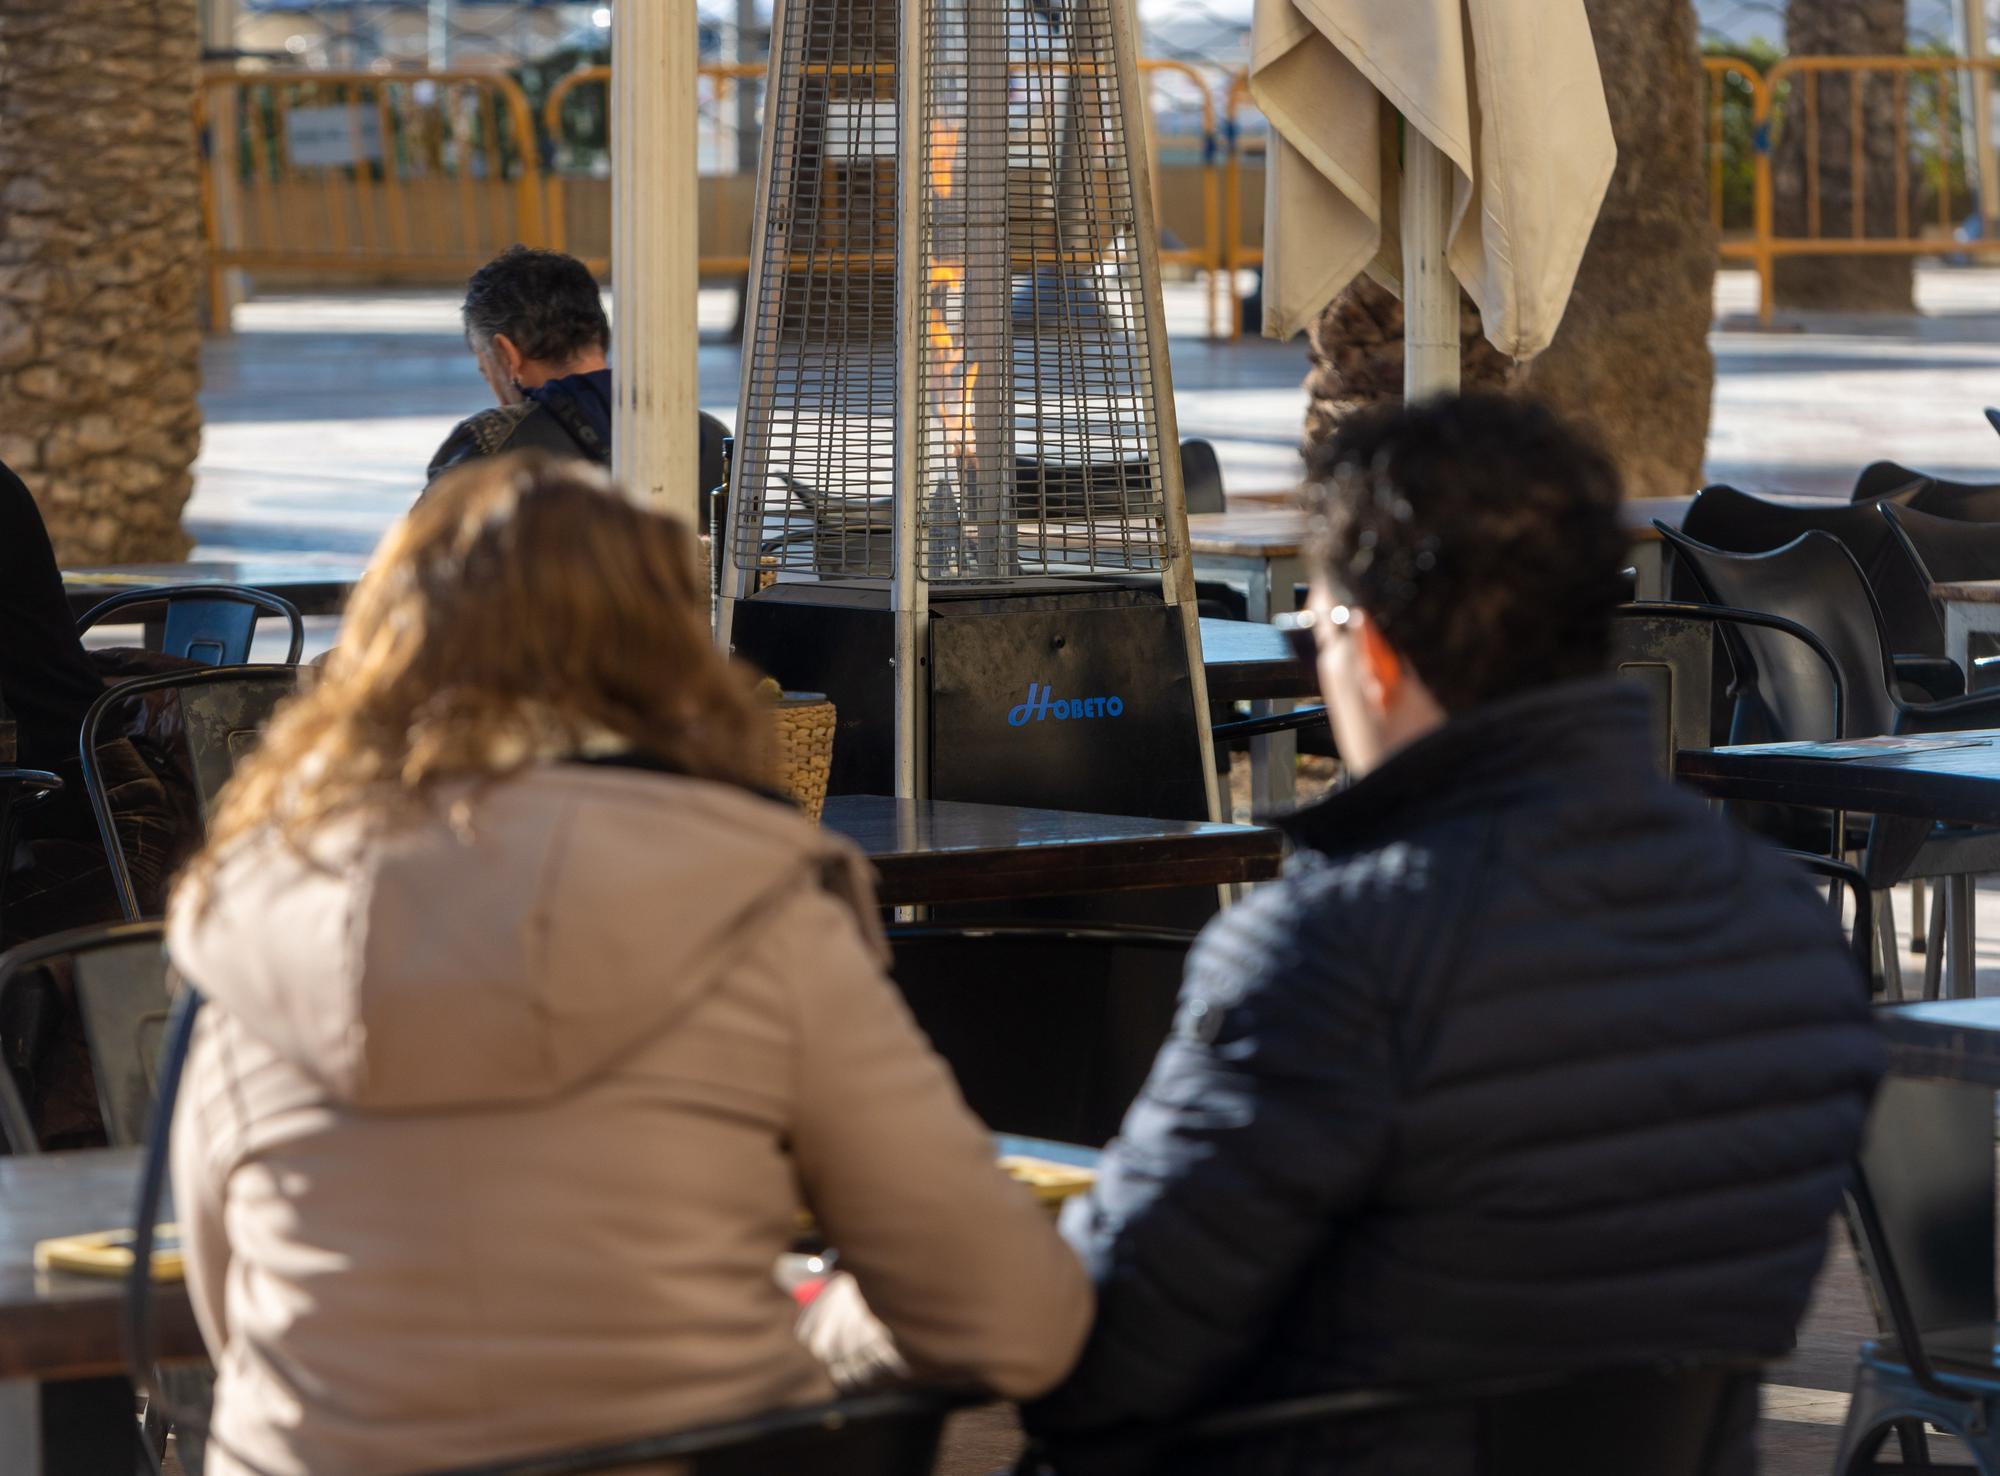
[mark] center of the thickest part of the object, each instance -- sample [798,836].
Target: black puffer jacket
[1530,1062]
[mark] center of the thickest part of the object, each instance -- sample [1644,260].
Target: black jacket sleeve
[46,680]
[1266,1117]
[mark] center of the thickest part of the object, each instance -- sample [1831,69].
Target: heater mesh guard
[1036,439]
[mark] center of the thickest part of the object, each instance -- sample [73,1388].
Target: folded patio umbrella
[1507,90]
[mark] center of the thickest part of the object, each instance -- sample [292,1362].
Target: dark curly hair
[546,302]
[1481,535]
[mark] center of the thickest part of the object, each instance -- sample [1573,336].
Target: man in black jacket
[1529,1063]
[46,681]
[536,327]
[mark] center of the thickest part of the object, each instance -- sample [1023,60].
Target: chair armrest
[1937,677]
[1294,721]
[1954,715]
[37,784]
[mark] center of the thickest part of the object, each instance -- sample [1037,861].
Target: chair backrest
[210,623]
[1201,477]
[1945,550]
[1885,479]
[119,973]
[1813,582]
[1966,501]
[1050,1030]
[1736,522]
[223,712]
[871,1435]
[1671,650]
[1696,1418]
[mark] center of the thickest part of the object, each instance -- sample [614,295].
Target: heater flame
[958,378]
[944,158]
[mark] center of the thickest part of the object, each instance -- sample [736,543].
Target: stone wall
[100,260]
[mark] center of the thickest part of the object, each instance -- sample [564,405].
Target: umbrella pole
[654,284]
[1430,292]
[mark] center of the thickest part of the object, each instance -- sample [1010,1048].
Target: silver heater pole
[1177,561]
[909,592]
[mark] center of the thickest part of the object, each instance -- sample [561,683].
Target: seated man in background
[1530,1062]
[47,682]
[535,324]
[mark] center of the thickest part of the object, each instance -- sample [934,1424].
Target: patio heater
[956,502]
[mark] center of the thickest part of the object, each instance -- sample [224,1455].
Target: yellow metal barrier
[1736,240]
[374,174]
[1239,252]
[1919,85]
[579,205]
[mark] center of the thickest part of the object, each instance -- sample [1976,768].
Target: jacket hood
[1575,736]
[582,403]
[509,943]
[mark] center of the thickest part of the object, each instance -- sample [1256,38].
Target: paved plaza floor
[323,410]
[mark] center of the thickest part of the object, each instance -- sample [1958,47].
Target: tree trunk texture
[1356,348]
[1631,358]
[100,260]
[1841,283]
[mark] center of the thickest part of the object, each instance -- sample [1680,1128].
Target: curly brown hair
[525,608]
[1481,535]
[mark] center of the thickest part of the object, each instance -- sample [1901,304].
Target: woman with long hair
[535,1022]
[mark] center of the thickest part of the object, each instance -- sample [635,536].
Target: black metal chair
[1201,477]
[1049,1030]
[1671,650]
[1945,550]
[20,789]
[222,713]
[1725,518]
[210,623]
[1814,582]
[1971,502]
[119,973]
[1923,1223]
[1691,1417]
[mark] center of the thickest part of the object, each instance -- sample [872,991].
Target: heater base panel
[1061,694]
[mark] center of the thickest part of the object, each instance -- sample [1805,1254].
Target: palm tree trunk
[1631,358]
[1842,283]
[100,259]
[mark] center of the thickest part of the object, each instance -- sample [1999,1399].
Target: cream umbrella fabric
[1508,90]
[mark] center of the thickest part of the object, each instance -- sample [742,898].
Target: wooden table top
[1959,784]
[1248,662]
[54,1325]
[1944,1040]
[1968,592]
[317,589]
[930,851]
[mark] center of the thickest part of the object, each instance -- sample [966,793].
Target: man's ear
[509,357]
[1386,672]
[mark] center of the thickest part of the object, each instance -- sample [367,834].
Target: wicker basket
[805,747]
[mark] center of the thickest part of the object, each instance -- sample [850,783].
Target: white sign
[326,138]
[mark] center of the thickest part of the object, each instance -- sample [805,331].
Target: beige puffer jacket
[496,1125]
